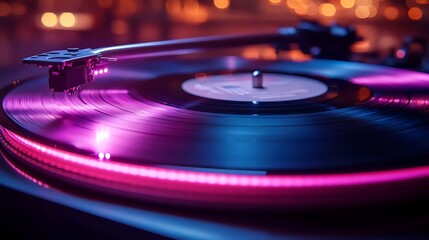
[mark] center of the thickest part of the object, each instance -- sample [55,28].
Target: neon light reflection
[202,186]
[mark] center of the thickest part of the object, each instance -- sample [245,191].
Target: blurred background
[29,27]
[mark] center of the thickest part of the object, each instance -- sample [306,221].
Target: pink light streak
[206,187]
[394,78]
[34,180]
[228,179]
[412,102]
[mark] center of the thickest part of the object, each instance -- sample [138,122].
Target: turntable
[134,132]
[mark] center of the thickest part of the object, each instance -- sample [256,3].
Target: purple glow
[101,156]
[394,78]
[99,137]
[105,70]
[107,156]
[95,72]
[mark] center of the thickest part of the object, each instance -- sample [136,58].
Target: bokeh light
[362,12]
[275,2]
[292,3]
[372,11]
[312,10]
[400,53]
[361,46]
[49,19]
[415,13]
[347,3]
[4,9]
[391,13]
[256,52]
[327,9]
[301,9]
[193,12]
[67,19]
[221,4]
[422,1]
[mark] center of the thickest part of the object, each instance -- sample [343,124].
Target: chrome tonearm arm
[70,68]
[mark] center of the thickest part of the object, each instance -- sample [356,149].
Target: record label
[238,87]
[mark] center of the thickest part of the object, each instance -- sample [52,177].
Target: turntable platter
[145,117]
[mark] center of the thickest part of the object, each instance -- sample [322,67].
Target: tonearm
[70,68]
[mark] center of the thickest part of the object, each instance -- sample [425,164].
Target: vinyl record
[360,119]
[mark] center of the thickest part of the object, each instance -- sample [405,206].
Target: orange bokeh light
[391,13]
[362,12]
[422,1]
[221,4]
[275,2]
[67,19]
[49,19]
[415,13]
[327,9]
[347,3]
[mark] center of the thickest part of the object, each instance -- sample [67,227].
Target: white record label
[238,87]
